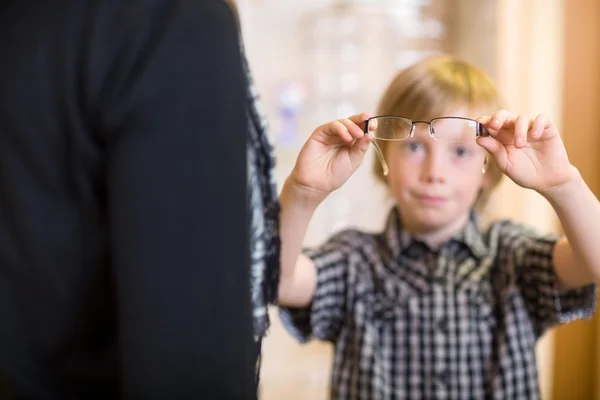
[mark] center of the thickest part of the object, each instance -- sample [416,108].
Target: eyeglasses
[444,129]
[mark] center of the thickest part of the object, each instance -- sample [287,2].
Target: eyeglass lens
[447,129]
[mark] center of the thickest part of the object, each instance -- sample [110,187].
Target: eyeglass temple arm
[384,165]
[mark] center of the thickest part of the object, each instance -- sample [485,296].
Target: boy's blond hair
[434,87]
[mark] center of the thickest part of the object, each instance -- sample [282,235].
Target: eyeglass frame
[480,131]
[479,128]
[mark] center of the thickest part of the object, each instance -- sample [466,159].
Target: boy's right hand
[330,156]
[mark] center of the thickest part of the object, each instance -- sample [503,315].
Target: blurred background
[318,60]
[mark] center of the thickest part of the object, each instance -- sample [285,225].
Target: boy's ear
[487,179]
[486,182]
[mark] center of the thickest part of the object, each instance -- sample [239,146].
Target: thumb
[495,148]
[359,149]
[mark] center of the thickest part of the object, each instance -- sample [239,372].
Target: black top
[123,226]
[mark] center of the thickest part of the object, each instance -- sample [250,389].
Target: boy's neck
[437,237]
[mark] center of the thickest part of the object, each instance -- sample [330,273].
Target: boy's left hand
[529,151]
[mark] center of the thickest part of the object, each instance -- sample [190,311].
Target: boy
[434,307]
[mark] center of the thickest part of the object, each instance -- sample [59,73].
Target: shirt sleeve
[170,102]
[324,317]
[546,302]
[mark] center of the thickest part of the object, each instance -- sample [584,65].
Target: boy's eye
[462,151]
[412,146]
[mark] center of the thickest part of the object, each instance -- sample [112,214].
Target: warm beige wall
[472,35]
[577,345]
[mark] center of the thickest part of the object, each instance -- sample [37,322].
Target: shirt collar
[399,240]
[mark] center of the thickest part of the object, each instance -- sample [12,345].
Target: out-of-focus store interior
[317,60]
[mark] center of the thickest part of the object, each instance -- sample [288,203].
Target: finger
[541,123]
[360,119]
[353,128]
[500,119]
[336,128]
[522,125]
[373,124]
[495,148]
[484,120]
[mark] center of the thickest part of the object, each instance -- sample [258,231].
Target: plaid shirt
[457,323]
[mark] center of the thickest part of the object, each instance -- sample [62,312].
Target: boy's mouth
[431,200]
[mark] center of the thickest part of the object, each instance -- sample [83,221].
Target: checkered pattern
[457,323]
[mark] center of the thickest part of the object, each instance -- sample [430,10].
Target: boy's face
[435,183]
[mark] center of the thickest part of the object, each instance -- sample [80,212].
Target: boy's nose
[433,170]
